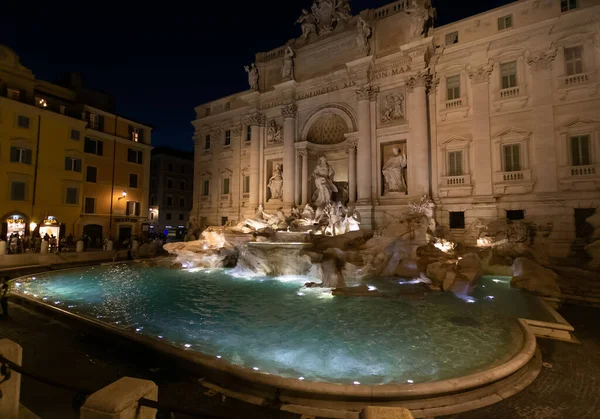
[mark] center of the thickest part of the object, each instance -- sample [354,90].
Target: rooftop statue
[252,76]
[325,15]
[287,69]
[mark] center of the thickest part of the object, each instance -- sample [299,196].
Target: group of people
[21,243]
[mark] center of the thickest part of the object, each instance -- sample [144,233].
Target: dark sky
[161,59]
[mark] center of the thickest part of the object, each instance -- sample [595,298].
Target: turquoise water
[277,326]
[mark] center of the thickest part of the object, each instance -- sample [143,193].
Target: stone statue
[252,76]
[394,172]
[323,176]
[274,132]
[362,38]
[419,15]
[342,11]
[287,69]
[393,107]
[276,183]
[307,22]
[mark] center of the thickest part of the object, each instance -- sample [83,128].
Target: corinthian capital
[480,74]
[236,130]
[363,92]
[543,60]
[289,110]
[255,119]
[420,79]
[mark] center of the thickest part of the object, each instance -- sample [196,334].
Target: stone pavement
[568,387]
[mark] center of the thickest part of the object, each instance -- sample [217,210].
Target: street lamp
[123,195]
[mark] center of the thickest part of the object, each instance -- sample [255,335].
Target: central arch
[328,123]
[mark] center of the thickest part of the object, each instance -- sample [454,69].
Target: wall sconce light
[124,195]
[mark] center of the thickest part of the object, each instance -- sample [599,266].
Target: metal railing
[81,394]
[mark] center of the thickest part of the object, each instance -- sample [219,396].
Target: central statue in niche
[323,176]
[394,172]
[276,183]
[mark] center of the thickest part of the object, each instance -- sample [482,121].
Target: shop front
[51,227]
[14,224]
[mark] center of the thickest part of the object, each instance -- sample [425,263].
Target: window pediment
[246,169]
[225,173]
[512,134]
[205,174]
[457,141]
[508,54]
[579,124]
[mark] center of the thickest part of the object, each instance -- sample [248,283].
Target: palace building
[496,116]
[68,163]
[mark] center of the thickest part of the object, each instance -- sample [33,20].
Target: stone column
[482,149]
[289,158]
[417,153]
[236,187]
[543,115]
[254,121]
[304,155]
[364,145]
[351,149]
[215,182]
[297,177]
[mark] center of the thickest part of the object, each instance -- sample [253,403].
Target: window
[170,167]
[62,109]
[134,156]
[205,187]
[455,163]
[94,121]
[135,134]
[168,216]
[226,186]
[457,219]
[224,220]
[508,74]
[580,150]
[182,185]
[566,5]
[515,215]
[170,183]
[246,184]
[91,174]
[452,38]
[182,169]
[169,201]
[23,121]
[512,162]
[133,208]
[180,217]
[504,22]
[75,135]
[151,216]
[93,146]
[181,202]
[248,133]
[90,205]
[20,155]
[72,164]
[573,60]
[153,200]
[14,94]
[17,191]
[228,137]
[453,87]
[207,142]
[72,196]
[133,180]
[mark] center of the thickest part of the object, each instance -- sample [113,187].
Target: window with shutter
[226,186]
[17,191]
[504,22]
[508,74]
[573,60]
[453,87]
[93,146]
[20,155]
[512,159]
[455,163]
[137,208]
[246,184]
[91,174]
[90,205]
[134,156]
[580,150]
[72,196]
[72,164]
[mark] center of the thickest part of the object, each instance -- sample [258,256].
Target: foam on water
[280,327]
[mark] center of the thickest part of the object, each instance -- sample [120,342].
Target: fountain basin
[260,336]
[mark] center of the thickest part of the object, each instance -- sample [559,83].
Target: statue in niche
[308,23]
[274,132]
[393,107]
[394,172]
[323,176]
[252,76]
[287,69]
[276,183]
[362,39]
[419,16]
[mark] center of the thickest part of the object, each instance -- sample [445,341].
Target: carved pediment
[246,169]
[457,141]
[226,172]
[205,174]
[512,133]
[579,124]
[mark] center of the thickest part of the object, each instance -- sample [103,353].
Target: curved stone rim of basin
[322,390]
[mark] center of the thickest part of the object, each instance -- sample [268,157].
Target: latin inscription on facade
[325,90]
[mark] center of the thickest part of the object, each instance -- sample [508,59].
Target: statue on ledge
[362,38]
[394,172]
[323,176]
[324,17]
[252,76]
[287,69]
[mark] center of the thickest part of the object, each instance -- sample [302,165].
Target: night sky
[161,59]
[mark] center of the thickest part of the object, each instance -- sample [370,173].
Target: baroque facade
[495,116]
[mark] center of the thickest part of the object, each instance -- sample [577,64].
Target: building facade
[68,163]
[495,117]
[171,191]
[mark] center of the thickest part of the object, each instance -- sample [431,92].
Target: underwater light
[33,277]
[470,300]
[70,306]
[160,337]
[137,329]
[496,280]
[255,368]
[57,302]
[490,297]
[219,356]
[372,288]
[300,378]
[45,298]
[18,284]
[300,294]
[356,383]
[35,295]
[187,345]
[409,381]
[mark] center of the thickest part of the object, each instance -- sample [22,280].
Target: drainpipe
[112,188]
[35,170]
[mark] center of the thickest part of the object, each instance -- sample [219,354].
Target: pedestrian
[4,295]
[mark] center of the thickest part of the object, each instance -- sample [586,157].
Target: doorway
[124,234]
[94,232]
